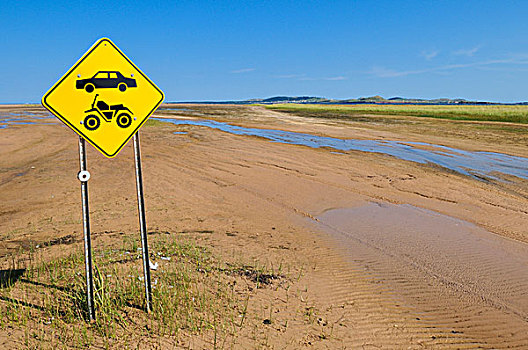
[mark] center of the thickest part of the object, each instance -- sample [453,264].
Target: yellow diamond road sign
[104,98]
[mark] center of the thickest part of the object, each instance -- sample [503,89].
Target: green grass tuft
[193,294]
[153,122]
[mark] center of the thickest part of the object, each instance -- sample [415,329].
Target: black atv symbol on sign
[106,80]
[121,113]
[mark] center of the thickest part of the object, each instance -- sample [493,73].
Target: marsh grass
[193,295]
[497,113]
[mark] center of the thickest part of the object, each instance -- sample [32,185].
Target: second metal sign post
[142,224]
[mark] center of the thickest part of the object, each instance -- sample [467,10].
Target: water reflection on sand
[474,164]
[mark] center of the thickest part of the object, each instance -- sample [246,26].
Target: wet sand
[481,165]
[449,271]
[392,253]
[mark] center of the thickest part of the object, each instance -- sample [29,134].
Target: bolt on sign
[104,98]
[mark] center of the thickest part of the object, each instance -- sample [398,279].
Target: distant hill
[289,99]
[360,100]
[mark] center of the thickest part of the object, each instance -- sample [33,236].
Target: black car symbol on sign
[101,109]
[106,80]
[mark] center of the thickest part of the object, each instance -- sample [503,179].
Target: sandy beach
[388,252]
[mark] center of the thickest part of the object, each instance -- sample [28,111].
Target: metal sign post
[84,176]
[142,224]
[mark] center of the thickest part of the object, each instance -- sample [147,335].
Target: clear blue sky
[224,50]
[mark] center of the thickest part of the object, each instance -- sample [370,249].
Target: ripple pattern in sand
[467,286]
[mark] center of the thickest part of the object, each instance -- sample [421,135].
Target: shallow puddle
[475,164]
[412,249]
[26,118]
[173,109]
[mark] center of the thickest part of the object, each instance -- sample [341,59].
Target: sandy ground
[391,254]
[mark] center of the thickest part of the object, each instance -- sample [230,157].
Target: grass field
[496,113]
